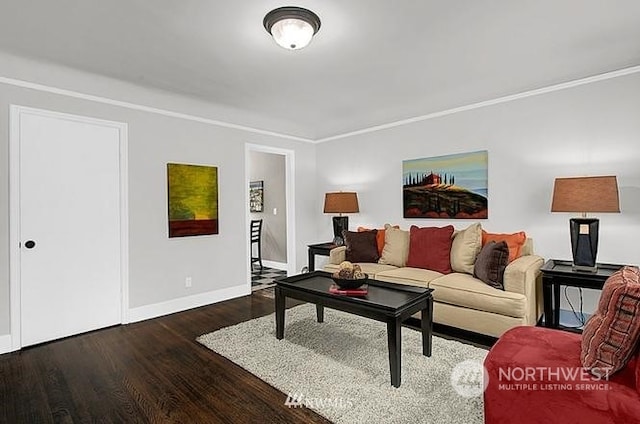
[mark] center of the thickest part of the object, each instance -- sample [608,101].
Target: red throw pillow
[430,248]
[611,335]
[515,242]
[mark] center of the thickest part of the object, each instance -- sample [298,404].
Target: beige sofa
[462,301]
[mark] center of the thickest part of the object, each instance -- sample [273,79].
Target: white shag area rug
[340,368]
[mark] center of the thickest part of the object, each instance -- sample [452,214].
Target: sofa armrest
[338,255]
[521,273]
[523,276]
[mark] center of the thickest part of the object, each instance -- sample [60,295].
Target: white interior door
[69,225]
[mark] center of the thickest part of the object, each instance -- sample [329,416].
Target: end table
[556,273]
[319,249]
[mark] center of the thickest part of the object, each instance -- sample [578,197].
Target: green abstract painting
[193,199]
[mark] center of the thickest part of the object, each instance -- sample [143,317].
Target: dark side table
[319,249]
[556,273]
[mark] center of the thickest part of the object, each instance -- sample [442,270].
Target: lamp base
[585,269]
[340,223]
[584,243]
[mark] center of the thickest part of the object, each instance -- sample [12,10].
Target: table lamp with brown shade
[341,202]
[585,194]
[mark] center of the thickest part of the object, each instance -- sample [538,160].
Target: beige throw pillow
[396,247]
[465,248]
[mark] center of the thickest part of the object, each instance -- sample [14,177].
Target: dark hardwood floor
[148,372]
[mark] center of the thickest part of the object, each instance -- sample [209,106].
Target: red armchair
[535,376]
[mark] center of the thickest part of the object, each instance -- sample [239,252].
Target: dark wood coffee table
[386,302]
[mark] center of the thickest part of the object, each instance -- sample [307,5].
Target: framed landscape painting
[193,199]
[446,187]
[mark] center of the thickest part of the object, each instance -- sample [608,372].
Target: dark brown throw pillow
[361,247]
[491,263]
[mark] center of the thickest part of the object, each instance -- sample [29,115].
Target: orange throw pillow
[379,237]
[514,241]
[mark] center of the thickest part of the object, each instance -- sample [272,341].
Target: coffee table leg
[320,312]
[394,342]
[426,319]
[280,302]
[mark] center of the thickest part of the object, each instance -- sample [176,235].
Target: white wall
[218,264]
[270,168]
[592,129]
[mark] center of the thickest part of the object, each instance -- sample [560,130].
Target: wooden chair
[256,238]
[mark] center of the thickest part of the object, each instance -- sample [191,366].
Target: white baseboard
[142,313]
[275,265]
[5,343]
[164,308]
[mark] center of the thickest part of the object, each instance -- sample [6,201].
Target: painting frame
[192,200]
[256,196]
[446,187]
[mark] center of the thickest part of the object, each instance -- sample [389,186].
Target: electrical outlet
[187,282]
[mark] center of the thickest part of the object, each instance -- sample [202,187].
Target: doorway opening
[270,200]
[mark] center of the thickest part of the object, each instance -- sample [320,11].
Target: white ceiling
[372,62]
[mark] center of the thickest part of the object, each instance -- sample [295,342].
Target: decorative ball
[358,275]
[347,265]
[345,274]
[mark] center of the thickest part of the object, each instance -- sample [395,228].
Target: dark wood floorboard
[148,372]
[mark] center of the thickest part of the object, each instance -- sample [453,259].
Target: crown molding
[143,108]
[504,99]
[189,117]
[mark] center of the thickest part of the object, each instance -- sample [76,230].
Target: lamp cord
[580,317]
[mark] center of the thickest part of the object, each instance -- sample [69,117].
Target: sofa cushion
[491,263]
[409,276]
[465,247]
[379,237]
[469,292]
[396,246]
[361,247]
[611,335]
[515,242]
[430,248]
[371,269]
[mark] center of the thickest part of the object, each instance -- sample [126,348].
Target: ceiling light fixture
[291,27]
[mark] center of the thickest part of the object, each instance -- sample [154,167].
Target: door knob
[30,244]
